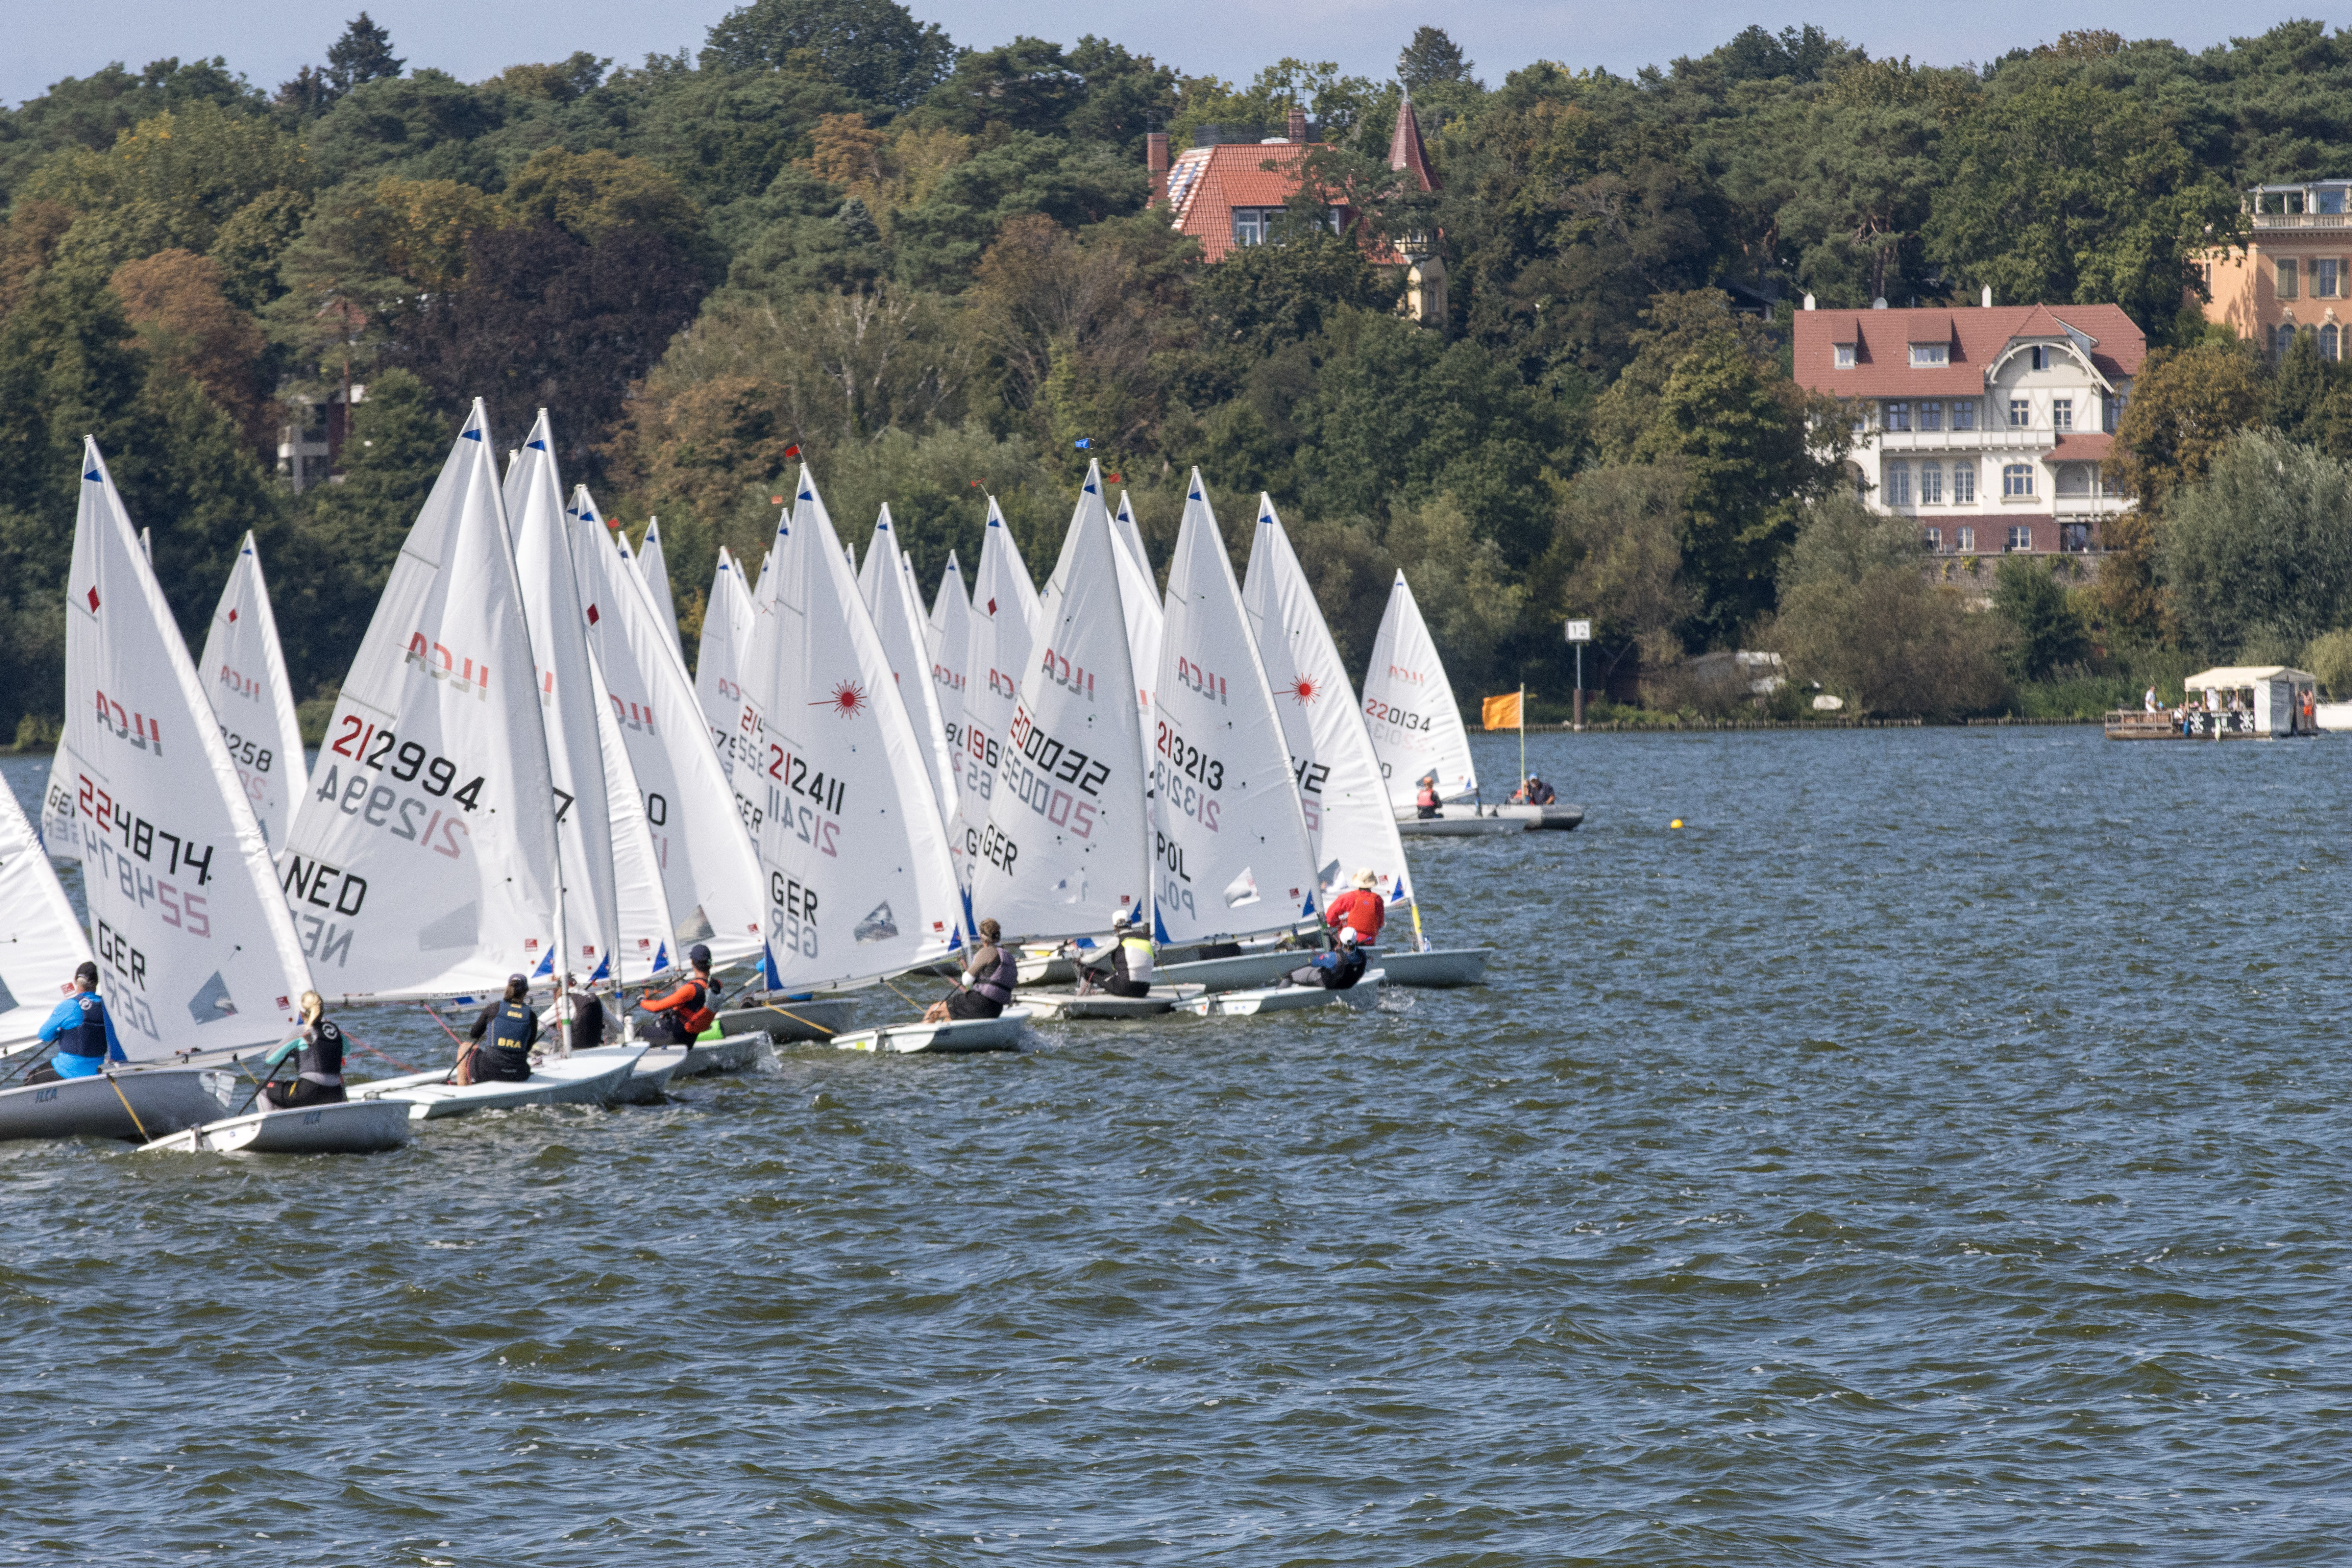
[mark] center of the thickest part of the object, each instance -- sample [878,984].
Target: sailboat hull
[124,1104]
[353,1127]
[1102,1004]
[590,1077]
[1364,993]
[1001,1032]
[1460,827]
[1444,967]
[1264,967]
[1560,818]
[784,1019]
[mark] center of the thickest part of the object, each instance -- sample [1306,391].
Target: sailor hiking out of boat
[1360,909]
[1130,959]
[990,973]
[1337,969]
[502,1038]
[319,1070]
[587,1030]
[682,1015]
[81,1029]
[1425,802]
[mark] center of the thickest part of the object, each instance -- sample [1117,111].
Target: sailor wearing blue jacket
[83,1032]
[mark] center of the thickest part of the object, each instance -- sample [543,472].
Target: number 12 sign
[1580,631]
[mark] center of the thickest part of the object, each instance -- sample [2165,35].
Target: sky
[1230,38]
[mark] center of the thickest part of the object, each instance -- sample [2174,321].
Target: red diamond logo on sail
[93,599]
[232,617]
[591,614]
[992,607]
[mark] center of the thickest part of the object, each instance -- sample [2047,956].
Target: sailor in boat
[1534,792]
[587,1014]
[1424,800]
[1130,959]
[502,1038]
[82,1031]
[684,1014]
[1337,969]
[319,1073]
[1360,911]
[990,973]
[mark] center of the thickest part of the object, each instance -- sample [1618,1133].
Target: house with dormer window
[1990,425]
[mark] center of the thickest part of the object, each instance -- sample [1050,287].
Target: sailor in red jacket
[1360,909]
[679,1018]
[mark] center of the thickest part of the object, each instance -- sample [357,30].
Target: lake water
[1932,1153]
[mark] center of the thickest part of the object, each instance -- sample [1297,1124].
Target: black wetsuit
[320,1069]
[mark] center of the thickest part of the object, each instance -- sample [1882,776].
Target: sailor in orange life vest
[1425,802]
[989,973]
[1360,909]
[684,1014]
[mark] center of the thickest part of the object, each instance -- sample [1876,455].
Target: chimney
[1155,161]
[1296,130]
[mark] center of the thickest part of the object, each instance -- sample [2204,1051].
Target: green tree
[875,49]
[1432,57]
[2047,632]
[2298,398]
[362,55]
[2186,406]
[90,112]
[170,183]
[2261,549]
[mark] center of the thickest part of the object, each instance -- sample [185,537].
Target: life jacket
[1340,970]
[691,1002]
[1361,911]
[1427,798]
[1135,958]
[86,1037]
[322,1053]
[997,983]
[514,1027]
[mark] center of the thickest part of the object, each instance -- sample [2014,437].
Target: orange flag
[1502,712]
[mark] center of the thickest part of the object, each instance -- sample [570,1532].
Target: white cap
[1348,935]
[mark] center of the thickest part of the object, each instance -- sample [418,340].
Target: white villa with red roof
[1988,425]
[1223,195]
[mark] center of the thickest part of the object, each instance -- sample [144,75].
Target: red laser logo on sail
[1303,690]
[848,700]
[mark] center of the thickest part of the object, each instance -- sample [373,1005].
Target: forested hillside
[931,269]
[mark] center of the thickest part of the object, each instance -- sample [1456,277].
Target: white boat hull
[160,1100]
[1103,1005]
[649,1074]
[1460,827]
[1045,966]
[590,1077]
[1444,967]
[729,1053]
[1365,992]
[353,1127]
[1557,818]
[1001,1032]
[781,1020]
[1261,968]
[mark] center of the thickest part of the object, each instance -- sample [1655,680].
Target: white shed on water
[2274,695]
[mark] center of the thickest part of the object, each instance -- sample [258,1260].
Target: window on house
[2062,413]
[2039,357]
[1898,415]
[2287,278]
[2020,537]
[2282,341]
[2112,412]
[1967,543]
[2017,479]
[2332,201]
[1931,353]
[2020,413]
[1931,485]
[2329,344]
[1846,356]
[1964,484]
[2074,537]
[1931,417]
[1931,540]
[2328,278]
[1964,414]
[1898,484]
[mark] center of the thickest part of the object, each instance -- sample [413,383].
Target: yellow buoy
[1677,822]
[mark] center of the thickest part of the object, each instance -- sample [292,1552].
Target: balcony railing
[1996,438]
[2302,220]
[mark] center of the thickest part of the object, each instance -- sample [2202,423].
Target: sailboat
[1346,803]
[423,861]
[889,595]
[654,573]
[851,848]
[1231,856]
[1066,846]
[197,954]
[949,636]
[244,672]
[1416,727]
[1140,595]
[727,620]
[1003,622]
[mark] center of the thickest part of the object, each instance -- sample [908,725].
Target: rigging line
[126,1105]
[377,1054]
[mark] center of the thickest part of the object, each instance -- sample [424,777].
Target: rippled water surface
[1932,1153]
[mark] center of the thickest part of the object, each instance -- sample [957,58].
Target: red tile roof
[2084,447]
[1208,182]
[1882,340]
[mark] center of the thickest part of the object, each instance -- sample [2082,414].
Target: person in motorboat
[1130,959]
[680,1016]
[82,1030]
[318,1072]
[990,973]
[502,1038]
[1360,909]
[587,1027]
[1535,792]
[1337,969]
[1425,801]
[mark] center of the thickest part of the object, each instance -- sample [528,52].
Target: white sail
[1068,841]
[1131,536]
[1139,594]
[654,571]
[707,872]
[1003,622]
[950,644]
[726,642]
[244,671]
[935,622]
[1349,818]
[889,594]
[195,950]
[41,937]
[1409,708]
[856,862]
[570,696]
[422,861]
[1230,855]
[60,829]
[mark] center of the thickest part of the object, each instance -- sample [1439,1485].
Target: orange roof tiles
[1882,341]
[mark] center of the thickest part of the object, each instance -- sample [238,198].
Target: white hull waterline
[590,1077]
[729,1053]
[1364,992]
[1001,1032]
[1460,827]
[1439,969]
[353,1126]
[777,1016]
[1103,1005]
[135,1104]
[1560,818]
[647,1078]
